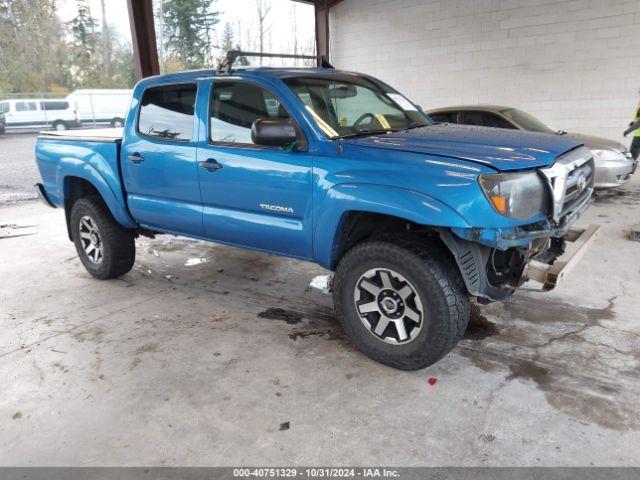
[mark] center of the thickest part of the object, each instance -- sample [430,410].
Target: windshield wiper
[412,125]
[363,133]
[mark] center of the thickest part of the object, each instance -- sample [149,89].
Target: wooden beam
[143,37]
[322,29]
[322,8]
[315,2]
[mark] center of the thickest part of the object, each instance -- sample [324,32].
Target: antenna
[232,55]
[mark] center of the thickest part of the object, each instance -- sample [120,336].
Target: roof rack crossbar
[233,55]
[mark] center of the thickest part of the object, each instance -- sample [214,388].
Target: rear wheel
[60,126]
[106,249]
[401,301]
[117,122]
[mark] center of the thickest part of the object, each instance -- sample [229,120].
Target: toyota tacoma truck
[336,168]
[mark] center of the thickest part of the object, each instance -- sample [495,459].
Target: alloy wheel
[91,240]
[389,306]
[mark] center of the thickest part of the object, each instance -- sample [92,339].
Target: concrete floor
[18,169]
[180,365]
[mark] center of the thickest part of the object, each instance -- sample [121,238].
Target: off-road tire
[118,246]
[433,273]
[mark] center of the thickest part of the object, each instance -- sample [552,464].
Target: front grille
[578,187]
[571,180]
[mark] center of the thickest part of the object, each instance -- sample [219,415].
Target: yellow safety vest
[636,133]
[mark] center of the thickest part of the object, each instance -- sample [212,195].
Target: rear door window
[166,112]
[26,106]
[54,105]
[493,120]
[444,117]
[472,118]
[484,119]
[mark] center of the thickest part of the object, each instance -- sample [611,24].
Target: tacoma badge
[276,208]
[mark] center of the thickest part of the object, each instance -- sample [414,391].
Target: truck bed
[86,135]
[92,155]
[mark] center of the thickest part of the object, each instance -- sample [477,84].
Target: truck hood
[494,147]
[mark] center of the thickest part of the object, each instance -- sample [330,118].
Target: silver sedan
[613,161]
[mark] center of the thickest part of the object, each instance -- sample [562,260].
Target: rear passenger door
[253,196]
[159,161]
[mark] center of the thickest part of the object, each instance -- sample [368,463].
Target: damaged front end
[494,262]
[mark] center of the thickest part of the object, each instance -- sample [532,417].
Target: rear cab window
[167,112]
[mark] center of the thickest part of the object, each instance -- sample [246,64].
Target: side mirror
[273,132]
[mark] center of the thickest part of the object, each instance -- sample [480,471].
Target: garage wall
[573,63]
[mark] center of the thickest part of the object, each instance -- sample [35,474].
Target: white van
[36,113]
[102,106]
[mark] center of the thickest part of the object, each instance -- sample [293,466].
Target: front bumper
[551,275]
[472,249]
[474,261]
[611,174]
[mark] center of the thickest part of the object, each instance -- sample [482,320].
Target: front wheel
[401,300]
[60,126]
[106,249]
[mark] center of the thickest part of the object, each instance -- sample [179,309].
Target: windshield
[526,121]
[355,106]
[4,107]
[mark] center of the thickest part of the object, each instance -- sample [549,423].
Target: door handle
[136,158]
[211,164]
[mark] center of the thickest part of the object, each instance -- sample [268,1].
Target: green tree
[84,58]
[97,59]
[32,48]
[123,70]
[226,42]
[188,31]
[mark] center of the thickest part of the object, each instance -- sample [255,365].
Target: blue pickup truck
[337,168]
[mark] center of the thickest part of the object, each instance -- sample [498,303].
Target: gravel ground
[18,170]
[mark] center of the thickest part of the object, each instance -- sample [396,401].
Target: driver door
[253,196]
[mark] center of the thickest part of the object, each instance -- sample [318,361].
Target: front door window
[234,108]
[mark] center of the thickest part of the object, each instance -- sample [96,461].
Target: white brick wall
[575,64]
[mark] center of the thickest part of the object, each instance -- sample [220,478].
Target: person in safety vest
[635,128]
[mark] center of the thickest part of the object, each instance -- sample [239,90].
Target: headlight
[608,155]
[516,195]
